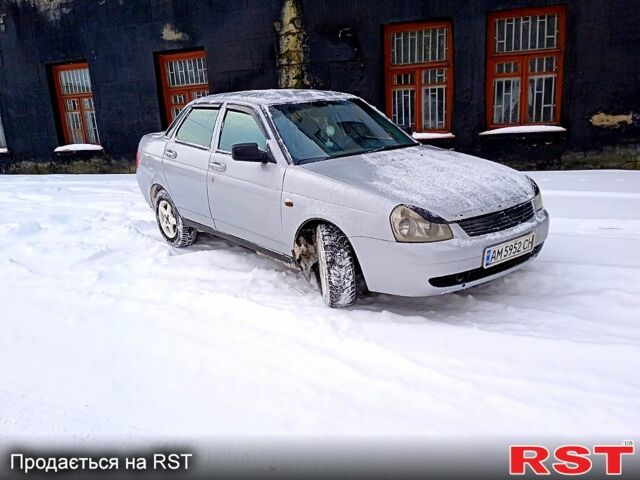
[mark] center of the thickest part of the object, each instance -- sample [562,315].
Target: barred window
[75,102]
[524,70]
[184,78]
[419,75]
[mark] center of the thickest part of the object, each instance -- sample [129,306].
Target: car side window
[241,127]
[198,127]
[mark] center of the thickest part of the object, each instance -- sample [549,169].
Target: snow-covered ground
[109,334]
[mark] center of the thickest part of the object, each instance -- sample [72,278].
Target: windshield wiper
[302,161]
[349,154]
[388,147]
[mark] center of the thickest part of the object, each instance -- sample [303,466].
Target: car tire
[336,267]
[171,224]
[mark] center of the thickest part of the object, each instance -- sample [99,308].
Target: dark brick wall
[602,67]
[344,52]
[119,39]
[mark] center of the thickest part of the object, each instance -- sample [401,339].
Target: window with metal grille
[525,50]
[184,78]
[419,75]
[75,103]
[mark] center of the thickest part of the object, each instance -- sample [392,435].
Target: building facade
[532,83]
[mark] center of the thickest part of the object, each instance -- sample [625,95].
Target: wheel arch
[299,253]
[153,192]
[311,223]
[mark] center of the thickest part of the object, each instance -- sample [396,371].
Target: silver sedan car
[325,183]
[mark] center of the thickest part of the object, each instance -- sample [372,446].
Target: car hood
[450,184]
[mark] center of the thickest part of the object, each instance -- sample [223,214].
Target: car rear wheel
[171,225]
[336,267]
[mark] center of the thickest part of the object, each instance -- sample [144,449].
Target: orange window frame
[187,91]
[522,59]
[417,69]
[62,97]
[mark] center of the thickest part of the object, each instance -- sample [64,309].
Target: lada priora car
[327,184]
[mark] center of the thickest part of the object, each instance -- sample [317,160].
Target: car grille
[497,221]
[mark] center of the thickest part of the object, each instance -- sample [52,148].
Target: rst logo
[567,459]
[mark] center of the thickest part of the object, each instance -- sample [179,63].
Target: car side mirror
[248,152]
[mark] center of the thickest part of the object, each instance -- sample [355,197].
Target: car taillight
[137,159]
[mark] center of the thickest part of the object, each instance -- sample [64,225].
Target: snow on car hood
[450,184]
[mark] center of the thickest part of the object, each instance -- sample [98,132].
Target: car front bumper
[424,269]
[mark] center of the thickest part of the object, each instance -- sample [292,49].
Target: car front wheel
[171,224]
[336,267]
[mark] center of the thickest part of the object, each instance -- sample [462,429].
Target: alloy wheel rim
[167,219]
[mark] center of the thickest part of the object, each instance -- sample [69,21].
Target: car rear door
[245,197]
[186,163]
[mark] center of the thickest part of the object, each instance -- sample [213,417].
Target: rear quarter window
[197,128]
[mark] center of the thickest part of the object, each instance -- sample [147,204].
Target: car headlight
[415,225]
[537,200]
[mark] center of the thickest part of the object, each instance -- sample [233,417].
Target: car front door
[186,163]
[245,197]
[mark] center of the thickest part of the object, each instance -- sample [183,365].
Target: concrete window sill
[524,129]
[79,147]
[432,136]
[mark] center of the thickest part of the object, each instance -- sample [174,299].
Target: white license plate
[508,250]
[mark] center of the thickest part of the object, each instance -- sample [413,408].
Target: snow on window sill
[432,136]
[4,150]
[78,147]
[525,129]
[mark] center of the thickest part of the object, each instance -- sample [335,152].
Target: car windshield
[322,130]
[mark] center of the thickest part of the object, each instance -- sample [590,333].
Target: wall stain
[170,34]
[51,10]
[606,120]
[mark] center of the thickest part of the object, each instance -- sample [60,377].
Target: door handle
[217,166]
[170,153]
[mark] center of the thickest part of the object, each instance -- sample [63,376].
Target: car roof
[273,96]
